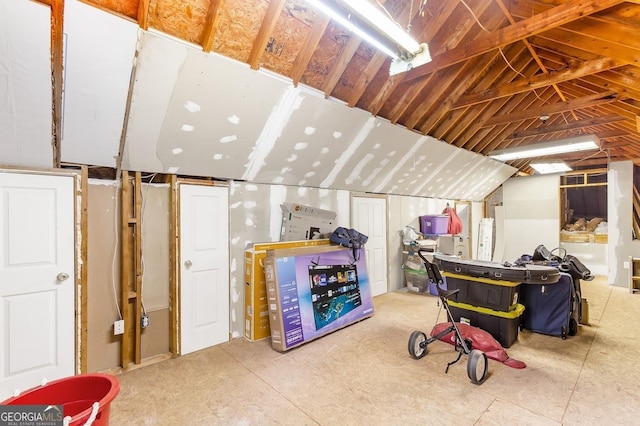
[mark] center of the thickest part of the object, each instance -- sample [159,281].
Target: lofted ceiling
[498,65]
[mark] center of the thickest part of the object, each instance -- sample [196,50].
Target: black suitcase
[534,274]
[552,309]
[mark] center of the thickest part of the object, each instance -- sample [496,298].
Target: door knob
[62,276]
[187,263]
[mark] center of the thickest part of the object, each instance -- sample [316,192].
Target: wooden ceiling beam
[266,29]
[310,45]
[587,101]
[573,125]
[393,82]
[557,16]
[541,80]
[531,50]
[442,82]
[525,66]
[143,14]
[211,23]
[524,101]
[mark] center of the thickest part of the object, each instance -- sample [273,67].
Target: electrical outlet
[144,321]
[118,327]
[625,265]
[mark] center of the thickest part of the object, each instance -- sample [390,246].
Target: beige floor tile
[364,375]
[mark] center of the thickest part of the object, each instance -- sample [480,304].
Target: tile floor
[363,375]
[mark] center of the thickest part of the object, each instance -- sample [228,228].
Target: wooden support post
[137,232]
[131,268]
[125,268]
[174,343]
[84,269]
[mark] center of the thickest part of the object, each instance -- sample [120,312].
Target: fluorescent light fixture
[351,26]
[379,21]
[561,146]
[405,51]
[551,167]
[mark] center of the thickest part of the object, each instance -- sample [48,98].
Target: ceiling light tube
[550,167]
[351,26]
[375,17]
[562,146]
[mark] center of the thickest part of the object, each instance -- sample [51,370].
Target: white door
[369,217]
[36,280]
[204,267]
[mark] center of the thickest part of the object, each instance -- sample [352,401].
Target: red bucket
[76,394]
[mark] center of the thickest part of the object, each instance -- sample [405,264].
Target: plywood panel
[238,27]
[124,7]
[328,51]
[288,37]
[180,18]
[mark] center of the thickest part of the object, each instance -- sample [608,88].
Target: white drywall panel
[99,55]
[206,115]
[218,117]
[25,84]
[157,70]
[619,221]
[317,134]
[531,208]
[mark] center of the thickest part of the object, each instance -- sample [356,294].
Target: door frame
[80,207]
[386,207]
[174,256]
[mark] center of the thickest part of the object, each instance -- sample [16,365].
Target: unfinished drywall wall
[155,210]
[531,207]
[104,272]
[25,84]
[103,284]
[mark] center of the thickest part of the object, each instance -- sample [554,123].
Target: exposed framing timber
[310,45]
[266,29]
[555,17]
[84,267]
[57,33]
[143,14]
[585,102]
[537,81]
[562,127]
[174,267]
[211,24]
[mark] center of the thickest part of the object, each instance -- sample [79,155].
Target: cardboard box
[313,291]
[256,308]
[306,223]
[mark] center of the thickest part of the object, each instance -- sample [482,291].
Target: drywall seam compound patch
[357,170]
[289,102]
[410,154]
[346,155]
